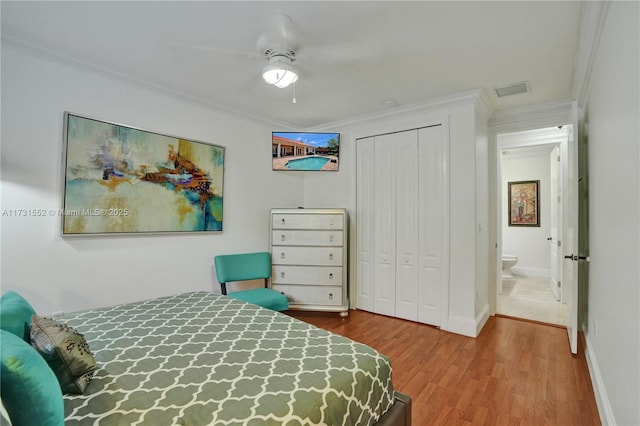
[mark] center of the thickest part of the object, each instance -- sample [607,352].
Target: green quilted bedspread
[203,359]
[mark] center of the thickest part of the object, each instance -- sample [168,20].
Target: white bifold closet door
[400,192]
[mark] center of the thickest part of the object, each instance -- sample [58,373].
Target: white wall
[527,242]
[66,274]
[613,113]
[485,254]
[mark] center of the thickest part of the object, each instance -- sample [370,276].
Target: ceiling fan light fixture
[280,72]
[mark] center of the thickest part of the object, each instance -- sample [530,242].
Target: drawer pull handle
[283,220]
[331,221]
[331,238]
[282,238]
[331,276]
[281,274]
[330,256]
[330,296]
[282,255]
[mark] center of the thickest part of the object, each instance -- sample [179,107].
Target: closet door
[433,226]
[405,146]
[402,224]
[384,212]
[365,202]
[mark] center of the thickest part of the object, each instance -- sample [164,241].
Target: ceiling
[356,58]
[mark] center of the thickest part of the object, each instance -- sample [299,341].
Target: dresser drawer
[306,275]
[321,256]
[307,221]
[306,238]
[303,295]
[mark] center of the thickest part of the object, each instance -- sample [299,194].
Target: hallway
[531,298]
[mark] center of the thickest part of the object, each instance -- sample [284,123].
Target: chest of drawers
[309,258]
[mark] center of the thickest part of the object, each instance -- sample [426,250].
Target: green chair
[249,266]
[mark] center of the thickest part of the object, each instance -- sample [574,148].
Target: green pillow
[29,389]
[66,351]
[15,314]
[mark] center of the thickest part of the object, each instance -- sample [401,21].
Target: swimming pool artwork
[307,163]
[123,180]
[305,151]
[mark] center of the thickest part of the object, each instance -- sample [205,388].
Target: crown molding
[16,39]
[594,14]
[477,97]
[535,116]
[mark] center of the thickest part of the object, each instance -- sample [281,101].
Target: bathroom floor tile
[531,298]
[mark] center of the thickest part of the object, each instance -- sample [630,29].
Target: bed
[200,359]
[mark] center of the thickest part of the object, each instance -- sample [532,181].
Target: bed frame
[399,414]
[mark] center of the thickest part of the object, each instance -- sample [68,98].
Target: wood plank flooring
[514,373]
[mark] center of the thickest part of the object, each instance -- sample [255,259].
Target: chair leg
[223,287]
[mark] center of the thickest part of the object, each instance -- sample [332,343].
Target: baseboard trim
[469,327]
[482,318]
[602,400]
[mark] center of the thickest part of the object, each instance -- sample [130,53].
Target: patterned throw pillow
[66,351]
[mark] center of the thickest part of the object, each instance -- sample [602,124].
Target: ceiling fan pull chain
[294,93]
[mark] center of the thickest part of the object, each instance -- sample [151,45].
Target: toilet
[508,262]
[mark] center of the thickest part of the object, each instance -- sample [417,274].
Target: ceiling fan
[281,47]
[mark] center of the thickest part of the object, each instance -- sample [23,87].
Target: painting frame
[524,203]
[122,180]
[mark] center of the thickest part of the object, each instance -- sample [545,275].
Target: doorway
[529,256]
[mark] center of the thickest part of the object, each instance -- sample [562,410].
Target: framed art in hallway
[123,180]
[524,206]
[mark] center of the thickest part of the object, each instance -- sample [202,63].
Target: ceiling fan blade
[343,52]
[281,36]
[216,50]
[285,30]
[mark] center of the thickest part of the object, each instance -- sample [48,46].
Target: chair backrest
[242,267]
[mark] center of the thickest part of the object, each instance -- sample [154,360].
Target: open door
[570,227]
[555,222]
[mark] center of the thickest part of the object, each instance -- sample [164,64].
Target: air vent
[512,89]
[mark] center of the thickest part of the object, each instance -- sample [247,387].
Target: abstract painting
[524,209]
[123,180]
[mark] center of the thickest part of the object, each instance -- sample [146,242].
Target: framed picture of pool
[123,180]
[305,151]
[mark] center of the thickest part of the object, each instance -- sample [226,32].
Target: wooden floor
[514,373]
